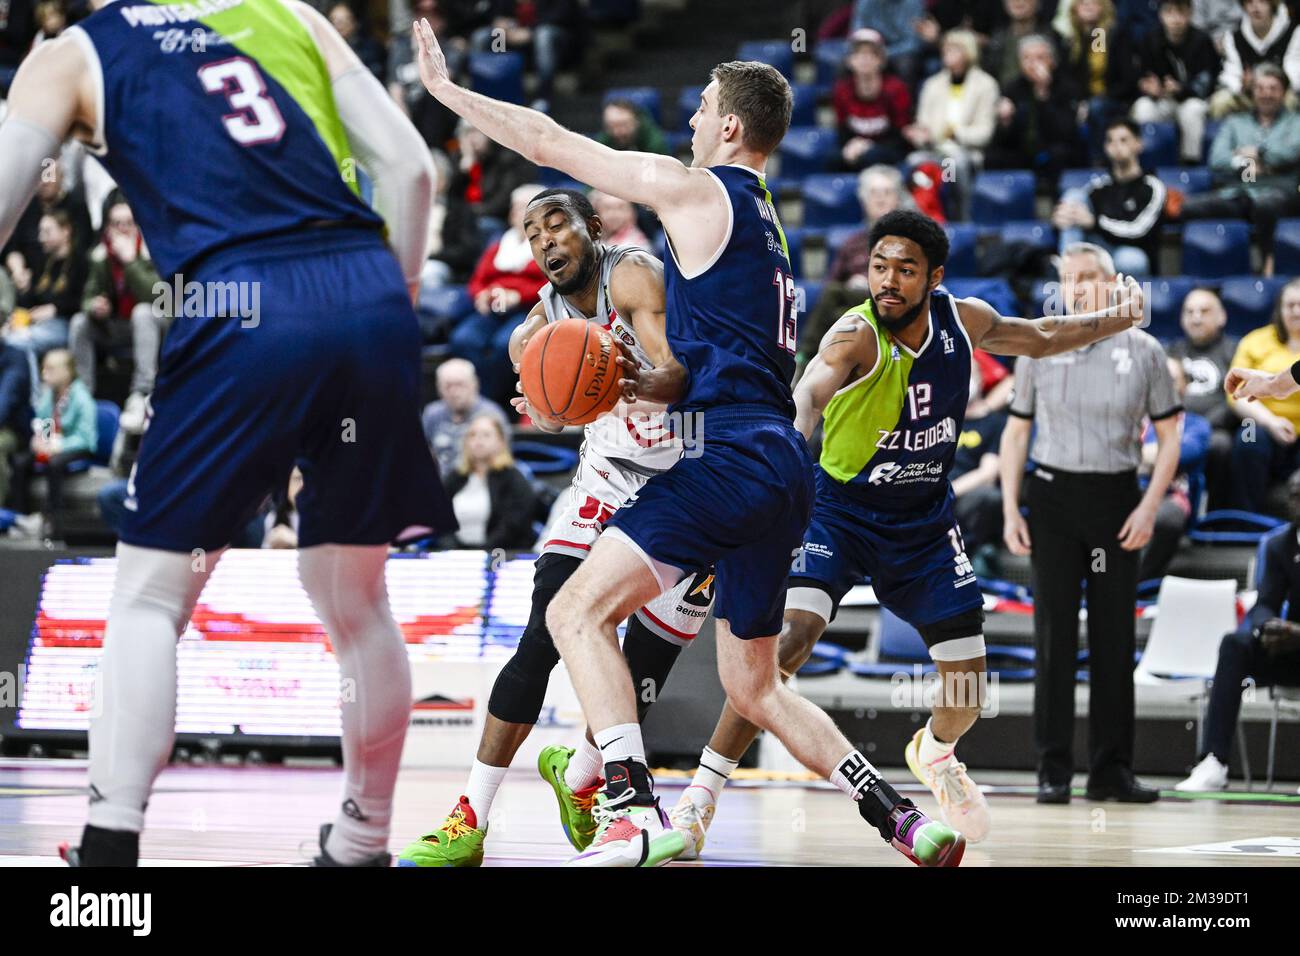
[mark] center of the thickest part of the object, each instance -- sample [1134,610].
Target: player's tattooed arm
[636,288]
[1050,335]
[847,350]
[535,321]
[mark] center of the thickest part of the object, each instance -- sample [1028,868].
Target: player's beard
[903,321]
[582,276]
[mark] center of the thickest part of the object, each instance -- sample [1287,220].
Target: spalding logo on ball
[569,373]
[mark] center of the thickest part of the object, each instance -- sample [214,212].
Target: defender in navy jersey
[742,498]
[235,129]
[890,385]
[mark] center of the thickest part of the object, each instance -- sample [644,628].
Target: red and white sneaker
[629,835]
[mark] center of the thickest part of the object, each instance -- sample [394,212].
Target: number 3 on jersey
[256,118]
[788,311]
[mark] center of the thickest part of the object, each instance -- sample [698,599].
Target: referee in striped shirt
[1088,520]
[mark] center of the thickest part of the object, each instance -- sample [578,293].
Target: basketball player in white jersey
[620,288]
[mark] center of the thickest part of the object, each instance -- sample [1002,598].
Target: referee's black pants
[1074,522]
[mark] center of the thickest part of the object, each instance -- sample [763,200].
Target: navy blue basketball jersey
[890,437]
[733,325]
[217,119]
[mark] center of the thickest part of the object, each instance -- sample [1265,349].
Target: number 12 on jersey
[788,311]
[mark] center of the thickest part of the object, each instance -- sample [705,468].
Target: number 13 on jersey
[787,311]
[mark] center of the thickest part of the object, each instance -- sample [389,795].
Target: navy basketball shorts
[324,375]
[916,560]
[742,505]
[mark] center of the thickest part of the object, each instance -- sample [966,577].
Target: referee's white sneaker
[1209,774]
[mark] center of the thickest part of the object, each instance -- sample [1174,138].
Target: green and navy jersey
[890,436]
[217,120]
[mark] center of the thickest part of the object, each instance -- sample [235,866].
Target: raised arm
[50,100]
[660,182]
[847,350]
[1050,335]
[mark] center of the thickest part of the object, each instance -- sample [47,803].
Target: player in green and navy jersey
[890,383]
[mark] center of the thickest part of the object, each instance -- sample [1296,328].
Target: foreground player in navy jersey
[233,139]
[742,503]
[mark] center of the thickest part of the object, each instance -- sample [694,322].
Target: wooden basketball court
[258,816]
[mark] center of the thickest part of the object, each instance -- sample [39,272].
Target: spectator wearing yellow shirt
[1266,450]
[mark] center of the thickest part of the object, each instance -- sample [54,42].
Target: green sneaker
[458,842]
[575,805]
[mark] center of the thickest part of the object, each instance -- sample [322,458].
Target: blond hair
[502,459]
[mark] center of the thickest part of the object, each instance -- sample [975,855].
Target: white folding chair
[1192,616]
[1281,696]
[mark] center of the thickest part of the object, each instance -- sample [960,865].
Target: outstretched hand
[1130,302]
[1251,384]
[429,55]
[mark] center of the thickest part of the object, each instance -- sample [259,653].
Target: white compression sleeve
[24,147]
[396,158]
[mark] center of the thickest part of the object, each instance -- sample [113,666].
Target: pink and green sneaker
[924,841]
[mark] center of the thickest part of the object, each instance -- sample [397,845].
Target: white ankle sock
[347,588]
[853,774]
[621,742]
[714,771]
[154,593]
[481,789]
[584,766]
[932,752]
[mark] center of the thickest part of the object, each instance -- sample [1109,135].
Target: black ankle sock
[622,774]
[877,804]
[100,847]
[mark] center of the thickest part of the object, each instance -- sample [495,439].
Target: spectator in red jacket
[504,287]
[872,107]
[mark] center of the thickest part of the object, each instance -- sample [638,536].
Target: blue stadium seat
[1211,131]
[645,97]
[1189,179]
[807,150]
[829,56]
[1167,304]
[688,101]
[1286,247]
[963,239]
[805,104]
[1077,178]
[778,53]
[613,12]
[900,643]
[811,290]
[106,417]
[1216,248]
[498,75]
[836,236]
[449,302]
[1038,234]
[996,292]
[1159,144]
[1249,302]
[1001,197]
[831,200]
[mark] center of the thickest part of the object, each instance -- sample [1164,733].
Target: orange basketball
[569,371]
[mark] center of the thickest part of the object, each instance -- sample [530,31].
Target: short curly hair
[920,228]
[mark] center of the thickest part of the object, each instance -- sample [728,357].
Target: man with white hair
[459,402]
[1088,519]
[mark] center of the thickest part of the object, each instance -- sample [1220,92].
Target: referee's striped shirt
[1088,405]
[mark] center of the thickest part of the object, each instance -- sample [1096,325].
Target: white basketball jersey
[633,435]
